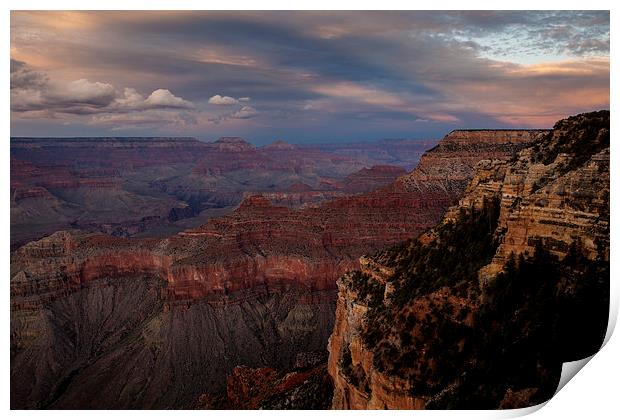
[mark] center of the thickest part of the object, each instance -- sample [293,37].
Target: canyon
[104,321]
[162,185]
[482,310]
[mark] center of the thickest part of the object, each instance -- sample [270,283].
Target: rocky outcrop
[268,388]
[356,384]
[365,180]
[233,144]
[280,145]
[482,310]
[300,199]
[450,165]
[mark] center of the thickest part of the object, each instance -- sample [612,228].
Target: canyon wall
[482,310]
[158,322]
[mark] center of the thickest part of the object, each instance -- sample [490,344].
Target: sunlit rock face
[482,310]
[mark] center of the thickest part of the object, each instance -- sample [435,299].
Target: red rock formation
[266,388]
[108,152]
[451,164]
[365,180]
[280,145]
[260,244]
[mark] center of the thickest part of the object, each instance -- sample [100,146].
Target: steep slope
[450,165]
[117,344]
[481,311]
[159,322]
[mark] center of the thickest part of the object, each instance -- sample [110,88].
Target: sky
[303,76]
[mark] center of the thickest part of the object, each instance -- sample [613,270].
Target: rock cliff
[482,310]
[450,165]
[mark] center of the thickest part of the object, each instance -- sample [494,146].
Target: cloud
[244,113]
[34,91]
[131,99]
[35,96]
[23,77]
[421,71]
[79,92]
[223,100]
[162,98]
[148,118]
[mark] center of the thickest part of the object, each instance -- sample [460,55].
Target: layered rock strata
[102,321]
[481,311]
[127,186]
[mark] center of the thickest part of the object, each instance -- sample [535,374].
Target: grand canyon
[335,234]
[163,322]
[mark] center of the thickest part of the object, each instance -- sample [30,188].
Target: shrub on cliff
[538,313]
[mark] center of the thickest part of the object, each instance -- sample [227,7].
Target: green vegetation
[581,136]
[514,333]
[452,259]
[368,290]
[537,314]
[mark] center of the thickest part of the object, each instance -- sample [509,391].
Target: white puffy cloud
[245,99]
[159,99]
[34,95]
[163,98]
[32,91]
[79,92]
[131,99]
[222,100]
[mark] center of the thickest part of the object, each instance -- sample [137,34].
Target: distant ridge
[81,139]
[500,129]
